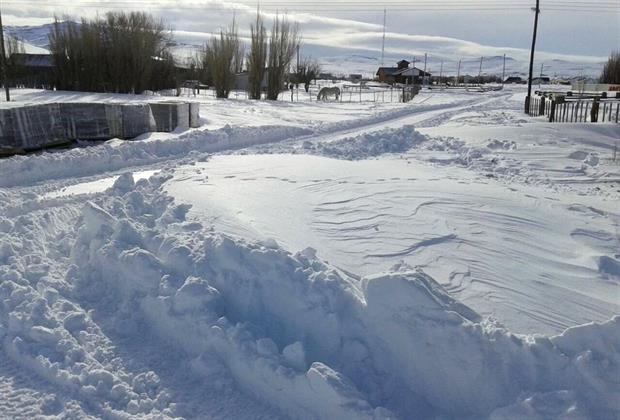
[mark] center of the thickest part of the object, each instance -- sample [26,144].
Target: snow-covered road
[317,260]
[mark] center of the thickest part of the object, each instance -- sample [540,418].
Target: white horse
[325,92]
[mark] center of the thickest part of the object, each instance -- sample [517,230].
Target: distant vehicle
[514,80]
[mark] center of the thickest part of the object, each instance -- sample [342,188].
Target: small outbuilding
[31,70]
[402,73]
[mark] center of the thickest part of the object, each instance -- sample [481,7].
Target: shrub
[223,57]
[307,71]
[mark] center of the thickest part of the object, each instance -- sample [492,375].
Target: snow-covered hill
[343,60]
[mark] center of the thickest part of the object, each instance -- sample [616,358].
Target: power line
[346,5]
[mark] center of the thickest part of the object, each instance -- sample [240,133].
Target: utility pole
[529,79]
[5,80]
[298,73]
[383,42]
[480,72]
[458,74]
[425,57]
[542,66]
[504,70]
[441,72]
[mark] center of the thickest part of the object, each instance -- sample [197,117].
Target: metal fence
[573,109]
[348,93]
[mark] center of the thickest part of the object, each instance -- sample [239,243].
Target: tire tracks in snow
[397,119]
[109,158]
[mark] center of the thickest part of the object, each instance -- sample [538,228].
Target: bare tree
[223,57]
[257,57]
[282,44]
[12,46]
[308,70]
[611,70]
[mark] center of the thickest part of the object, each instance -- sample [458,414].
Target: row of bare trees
[267,62]
[129,53]
[611,69]
[120,52]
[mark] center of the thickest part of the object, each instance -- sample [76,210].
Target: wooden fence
[587,108]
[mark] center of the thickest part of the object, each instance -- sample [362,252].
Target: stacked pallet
[170,116]
[35,127]
[96,121]
[31,127]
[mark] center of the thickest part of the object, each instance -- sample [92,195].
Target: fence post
[565,112]
[552,111]
[527,105]
[541,106]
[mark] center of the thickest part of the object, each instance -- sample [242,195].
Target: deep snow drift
[445,234]
[291,330]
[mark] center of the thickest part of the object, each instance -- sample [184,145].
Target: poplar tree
[257,57]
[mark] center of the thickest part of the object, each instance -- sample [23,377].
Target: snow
[448,258]
[470,232]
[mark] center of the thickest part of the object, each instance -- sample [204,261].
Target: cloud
[479,35]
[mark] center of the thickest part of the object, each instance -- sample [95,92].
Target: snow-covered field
[448,258]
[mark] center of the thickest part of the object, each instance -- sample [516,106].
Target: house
[31,70]
[242,81]
[355,77]
[402,73]
[541,80]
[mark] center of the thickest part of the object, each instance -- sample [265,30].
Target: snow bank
[298,334]
[20,170]
[368,144]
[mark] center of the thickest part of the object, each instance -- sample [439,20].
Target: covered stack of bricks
[33,127]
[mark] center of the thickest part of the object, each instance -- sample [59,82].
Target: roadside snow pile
[24,170]
[290,329]
[369,144]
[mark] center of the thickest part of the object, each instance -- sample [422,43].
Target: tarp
[171,115]
[32,127]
